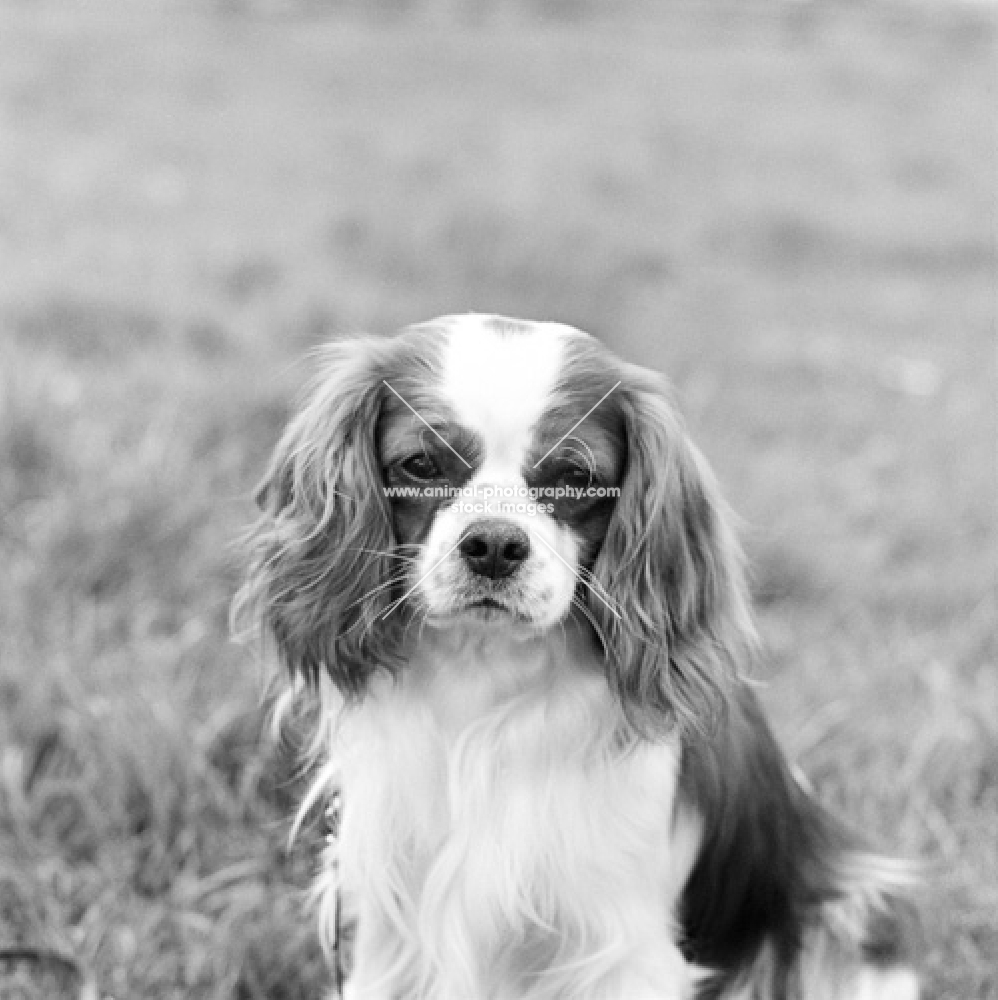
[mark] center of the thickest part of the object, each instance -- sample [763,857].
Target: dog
[493,558]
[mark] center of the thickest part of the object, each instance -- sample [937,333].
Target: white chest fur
[504,836]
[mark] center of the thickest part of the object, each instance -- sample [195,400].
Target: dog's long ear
[673,568]
[321,565]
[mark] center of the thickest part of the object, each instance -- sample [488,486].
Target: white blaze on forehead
[499,383]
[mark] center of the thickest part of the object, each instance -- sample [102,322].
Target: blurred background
[785,206]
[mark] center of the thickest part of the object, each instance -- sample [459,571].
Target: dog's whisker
[393,581]
[588,456]
[387,554]
[586,577]
[424,617]
[597,628]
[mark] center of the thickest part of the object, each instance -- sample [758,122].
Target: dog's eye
[421,466]
[575,477]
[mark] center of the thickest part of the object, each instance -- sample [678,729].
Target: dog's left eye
[575,477]
[421,466]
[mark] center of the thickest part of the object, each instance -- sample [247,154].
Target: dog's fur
[556,782]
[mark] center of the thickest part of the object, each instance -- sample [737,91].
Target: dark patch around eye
[420,462]
[591,454]
[587,516]
[413,422]
[590,526]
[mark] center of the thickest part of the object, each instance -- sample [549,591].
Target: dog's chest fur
[493,793]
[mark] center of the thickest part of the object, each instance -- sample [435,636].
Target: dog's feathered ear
[321,560]
[673,568]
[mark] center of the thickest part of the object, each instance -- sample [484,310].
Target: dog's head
[483,473]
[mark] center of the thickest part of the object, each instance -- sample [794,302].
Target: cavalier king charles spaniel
[494,561]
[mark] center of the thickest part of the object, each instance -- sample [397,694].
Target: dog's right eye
[576,477]
[421,466]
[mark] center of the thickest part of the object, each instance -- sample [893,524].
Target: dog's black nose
[494,548]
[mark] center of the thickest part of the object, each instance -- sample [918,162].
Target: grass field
[787,208]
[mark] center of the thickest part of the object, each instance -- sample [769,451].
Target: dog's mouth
[488,602]
[488,609]
[491,609]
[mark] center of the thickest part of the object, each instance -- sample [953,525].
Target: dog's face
[502,486]
[480,472]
